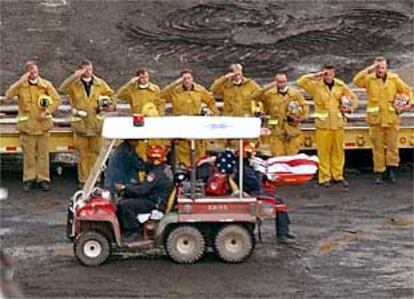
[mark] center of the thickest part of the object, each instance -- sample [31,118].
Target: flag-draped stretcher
[287,170]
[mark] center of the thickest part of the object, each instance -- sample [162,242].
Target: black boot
[391,174]
[130,236]
[28,186]
[44,185]
[379,177]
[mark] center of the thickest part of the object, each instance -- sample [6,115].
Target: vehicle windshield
[99,167]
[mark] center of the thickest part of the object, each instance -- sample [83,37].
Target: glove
[79,113]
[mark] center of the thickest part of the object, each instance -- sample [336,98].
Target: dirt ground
[120,36]
[356,244]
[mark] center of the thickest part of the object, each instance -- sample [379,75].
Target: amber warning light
[138,120]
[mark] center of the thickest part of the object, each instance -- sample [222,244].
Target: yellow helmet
[150,110]
[256,107]
[44,101]
[104,101]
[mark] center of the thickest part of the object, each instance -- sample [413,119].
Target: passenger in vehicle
[252,184]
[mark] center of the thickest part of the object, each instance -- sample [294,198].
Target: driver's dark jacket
[156,187]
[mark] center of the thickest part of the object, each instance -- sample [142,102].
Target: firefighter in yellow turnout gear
[383,87]
[236,92]
[186,97]
[286,108]
[140,91]
[37,99]
[89,98]
[332,99]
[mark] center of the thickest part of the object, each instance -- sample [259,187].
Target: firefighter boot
[28,185]
[391,174]
[379,177]
[44,185]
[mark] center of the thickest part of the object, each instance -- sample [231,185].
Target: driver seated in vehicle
[149,195]
[253,185]
[124,165]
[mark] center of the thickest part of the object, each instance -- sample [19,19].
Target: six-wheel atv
[192,223]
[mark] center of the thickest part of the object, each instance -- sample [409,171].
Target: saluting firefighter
[186,97]
[36,99]
[388,97]
[333,99]
[139,91]
[90,98]
[287,109]
[236,92]
[144,98]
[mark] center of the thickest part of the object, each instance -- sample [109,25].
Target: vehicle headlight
[102,193]
[106,194]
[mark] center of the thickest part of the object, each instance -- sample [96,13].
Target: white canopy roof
[182,127]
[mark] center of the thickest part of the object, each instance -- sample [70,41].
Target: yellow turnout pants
[182,151]
[88,148]
[280,146]
[384,147]
[35,157]
[330,148]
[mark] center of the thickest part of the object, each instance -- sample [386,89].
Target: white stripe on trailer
[65,148]
[11,149]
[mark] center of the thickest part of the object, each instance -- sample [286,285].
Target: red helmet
[248,148]
[156,153]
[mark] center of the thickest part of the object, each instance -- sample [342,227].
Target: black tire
[234,243]
[91,248]
[185,244]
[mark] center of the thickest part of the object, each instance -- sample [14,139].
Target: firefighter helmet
[150,110]
[401,100]
[249,149]
[44,101]
[293,108]
[256,108]
[104,101]
[156,153]
[346,102]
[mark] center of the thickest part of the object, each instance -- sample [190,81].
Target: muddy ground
[356,244]
[266,36]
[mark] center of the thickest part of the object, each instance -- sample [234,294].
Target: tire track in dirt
[263,37]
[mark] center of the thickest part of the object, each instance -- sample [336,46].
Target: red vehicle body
[191,224]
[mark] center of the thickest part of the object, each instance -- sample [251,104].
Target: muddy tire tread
[173,252]
[219,243]
[78,251]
